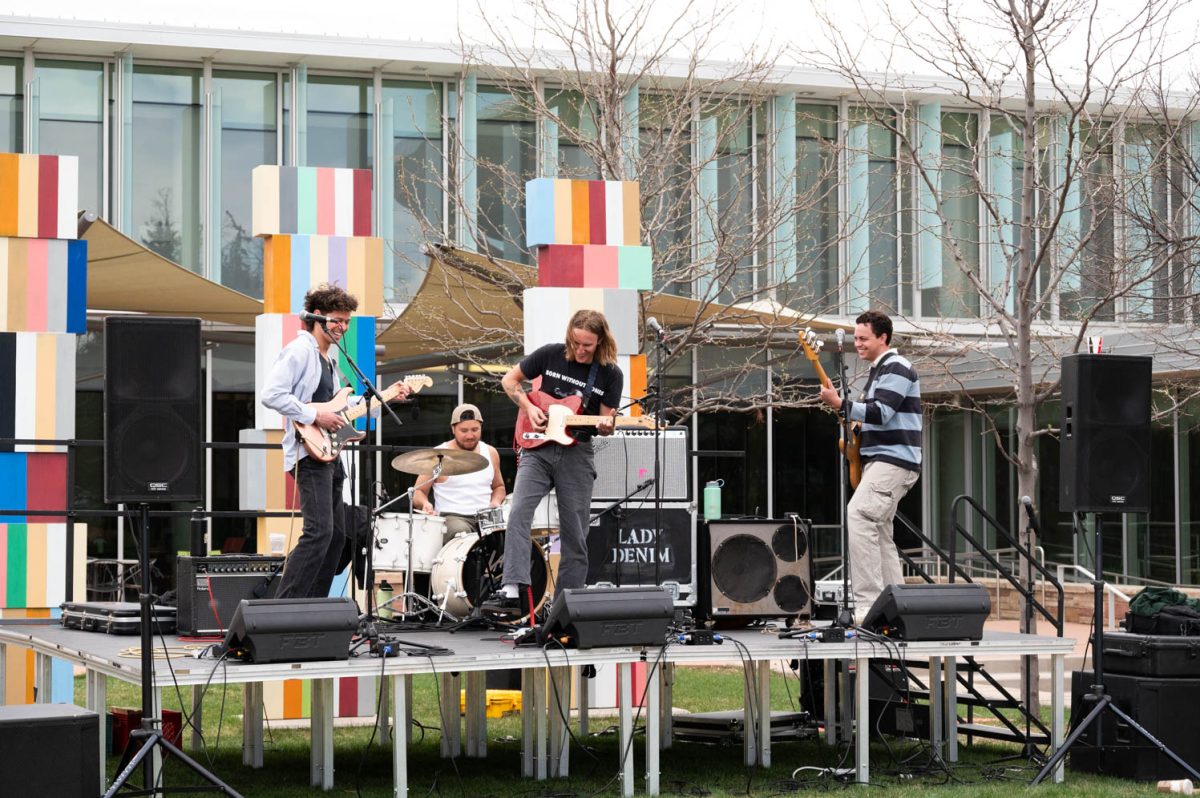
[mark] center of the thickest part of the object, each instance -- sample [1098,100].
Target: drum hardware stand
[660,339]
[411,599]
[1102,698]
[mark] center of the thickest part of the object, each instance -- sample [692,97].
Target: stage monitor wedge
[153,410]
[930,612]
[292,630]
[609,616]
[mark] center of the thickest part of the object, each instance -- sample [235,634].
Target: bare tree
[1033,210]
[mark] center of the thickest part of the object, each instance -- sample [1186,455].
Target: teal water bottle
[712,499]
[382,596]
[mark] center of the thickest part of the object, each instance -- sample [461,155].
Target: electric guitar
[561,414]
[812,350]
[324,445]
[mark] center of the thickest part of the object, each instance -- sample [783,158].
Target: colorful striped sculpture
[38,401]
[582,212]
[549,310]
[45,282]
[311,200]
[292,264]
[39,196]
[594,266]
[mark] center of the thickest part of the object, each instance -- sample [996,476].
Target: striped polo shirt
[890,413]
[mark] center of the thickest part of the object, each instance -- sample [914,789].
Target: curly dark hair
[326,298]
[881,323]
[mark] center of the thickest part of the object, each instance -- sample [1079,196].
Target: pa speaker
[625,460]
[292,630]
[609,616]
[756,569]
[930,612]
[49,749]
[1105,434]
[153,408]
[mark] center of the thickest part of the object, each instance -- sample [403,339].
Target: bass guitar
[324,445]
[849,443]
[562,414]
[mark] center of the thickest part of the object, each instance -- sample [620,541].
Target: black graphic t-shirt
[562,378]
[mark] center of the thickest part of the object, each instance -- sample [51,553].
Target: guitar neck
[591,421]
[357,410]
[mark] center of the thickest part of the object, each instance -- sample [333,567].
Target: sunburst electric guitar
[325,445]
[850,442]
[562,414]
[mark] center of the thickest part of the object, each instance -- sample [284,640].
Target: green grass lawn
[363,765]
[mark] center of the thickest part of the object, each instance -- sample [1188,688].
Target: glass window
[11,97]
[166,162]
[417,185]
[71,122]
[507,158]
[960,209]
[665,155]
[576,124]
[1091,280]
[339,122]
[814,285]
[1151,536]
[248,139]
[1147,220]
[733,271]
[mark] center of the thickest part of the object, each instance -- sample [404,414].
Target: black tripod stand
[150,734]
[1102,699]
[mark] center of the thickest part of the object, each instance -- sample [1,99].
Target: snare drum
[460,577]
[492,519]
[391,541]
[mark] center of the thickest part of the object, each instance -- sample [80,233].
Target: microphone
[1025,500]
[653,324]
[313,317]
[841,338]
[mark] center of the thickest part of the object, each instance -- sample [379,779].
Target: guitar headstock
[812,344]
[417,382]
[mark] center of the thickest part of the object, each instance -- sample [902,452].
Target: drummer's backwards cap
[465,412]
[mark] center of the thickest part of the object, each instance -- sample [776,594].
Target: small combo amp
[625,460]
[626,548]
[209,588]
[755,569]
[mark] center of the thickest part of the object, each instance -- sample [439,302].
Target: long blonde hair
[594,322]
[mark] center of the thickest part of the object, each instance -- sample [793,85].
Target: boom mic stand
[660,346]
[1103,699]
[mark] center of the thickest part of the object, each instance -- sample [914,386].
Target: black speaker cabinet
[625,460]
[755,569]
[292,630]
[625,548]
[49,749]
[1105,434]
[153,410]
[1163,707]
[930,612]
[209,589]
[609,616]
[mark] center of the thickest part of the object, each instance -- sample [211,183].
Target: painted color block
[27,197]
[304,200]
[294,264]
[37,274]
[40,196]
[45,282]
[262,482]
[9,183]
[636,381]
[562,212]
[548,311]
[76,309]
[580,220]
[37,568]
[42,403]
[614,212]
[343,202]
[272,331]
[362,202]
[326,219]
[264,205]
[633,214]
[14,473]
[68,202]
[635,268]
[560,266]
[46,484]
[18,281]
[600,266]
[597,204]
[47,196]
[359,341]
[539,212]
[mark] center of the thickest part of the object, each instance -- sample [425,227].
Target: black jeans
[312,564]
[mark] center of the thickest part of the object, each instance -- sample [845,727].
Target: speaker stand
[150,733]
[1098,694]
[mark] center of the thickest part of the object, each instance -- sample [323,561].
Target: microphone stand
[369,392]
[845,618]
[660,347]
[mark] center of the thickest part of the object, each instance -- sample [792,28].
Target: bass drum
[460,579]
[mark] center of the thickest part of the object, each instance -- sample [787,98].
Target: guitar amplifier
[625,550]
[625,460]
[210,588]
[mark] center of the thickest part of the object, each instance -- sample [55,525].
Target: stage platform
[545,674]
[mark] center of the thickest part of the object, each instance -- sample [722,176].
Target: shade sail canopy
[123,275]
[468,301]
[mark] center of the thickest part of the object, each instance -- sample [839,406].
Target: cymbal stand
[412,599]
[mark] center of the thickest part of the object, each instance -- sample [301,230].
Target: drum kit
[464,571]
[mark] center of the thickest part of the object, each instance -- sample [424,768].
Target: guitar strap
[591,382]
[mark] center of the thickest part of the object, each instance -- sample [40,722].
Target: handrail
[1111,593]
[1056,622]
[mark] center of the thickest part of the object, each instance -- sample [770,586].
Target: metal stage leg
[625,723]
[950,695]
[476,714]
[408,708]
[653,732]
[764,713]
[937,713]
[196,743]
[1057,662]
[585,695]
[43,679]
[96,697]
[322,733]
[4,676]
[862,735]
[542,733]
[749,716]
[252,724]
[831,712]
[451,725]
[401,687]
[558,707]
[846,720]
[384,711]
[668,713]
[528,721]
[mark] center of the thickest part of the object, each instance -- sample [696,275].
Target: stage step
[996,732]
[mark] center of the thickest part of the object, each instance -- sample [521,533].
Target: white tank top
[466,493]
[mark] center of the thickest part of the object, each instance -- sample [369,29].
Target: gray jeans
[874,561]
[570,472]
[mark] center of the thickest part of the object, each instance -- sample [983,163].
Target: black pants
[313,563]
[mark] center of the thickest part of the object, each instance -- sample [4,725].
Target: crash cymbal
[454,461]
